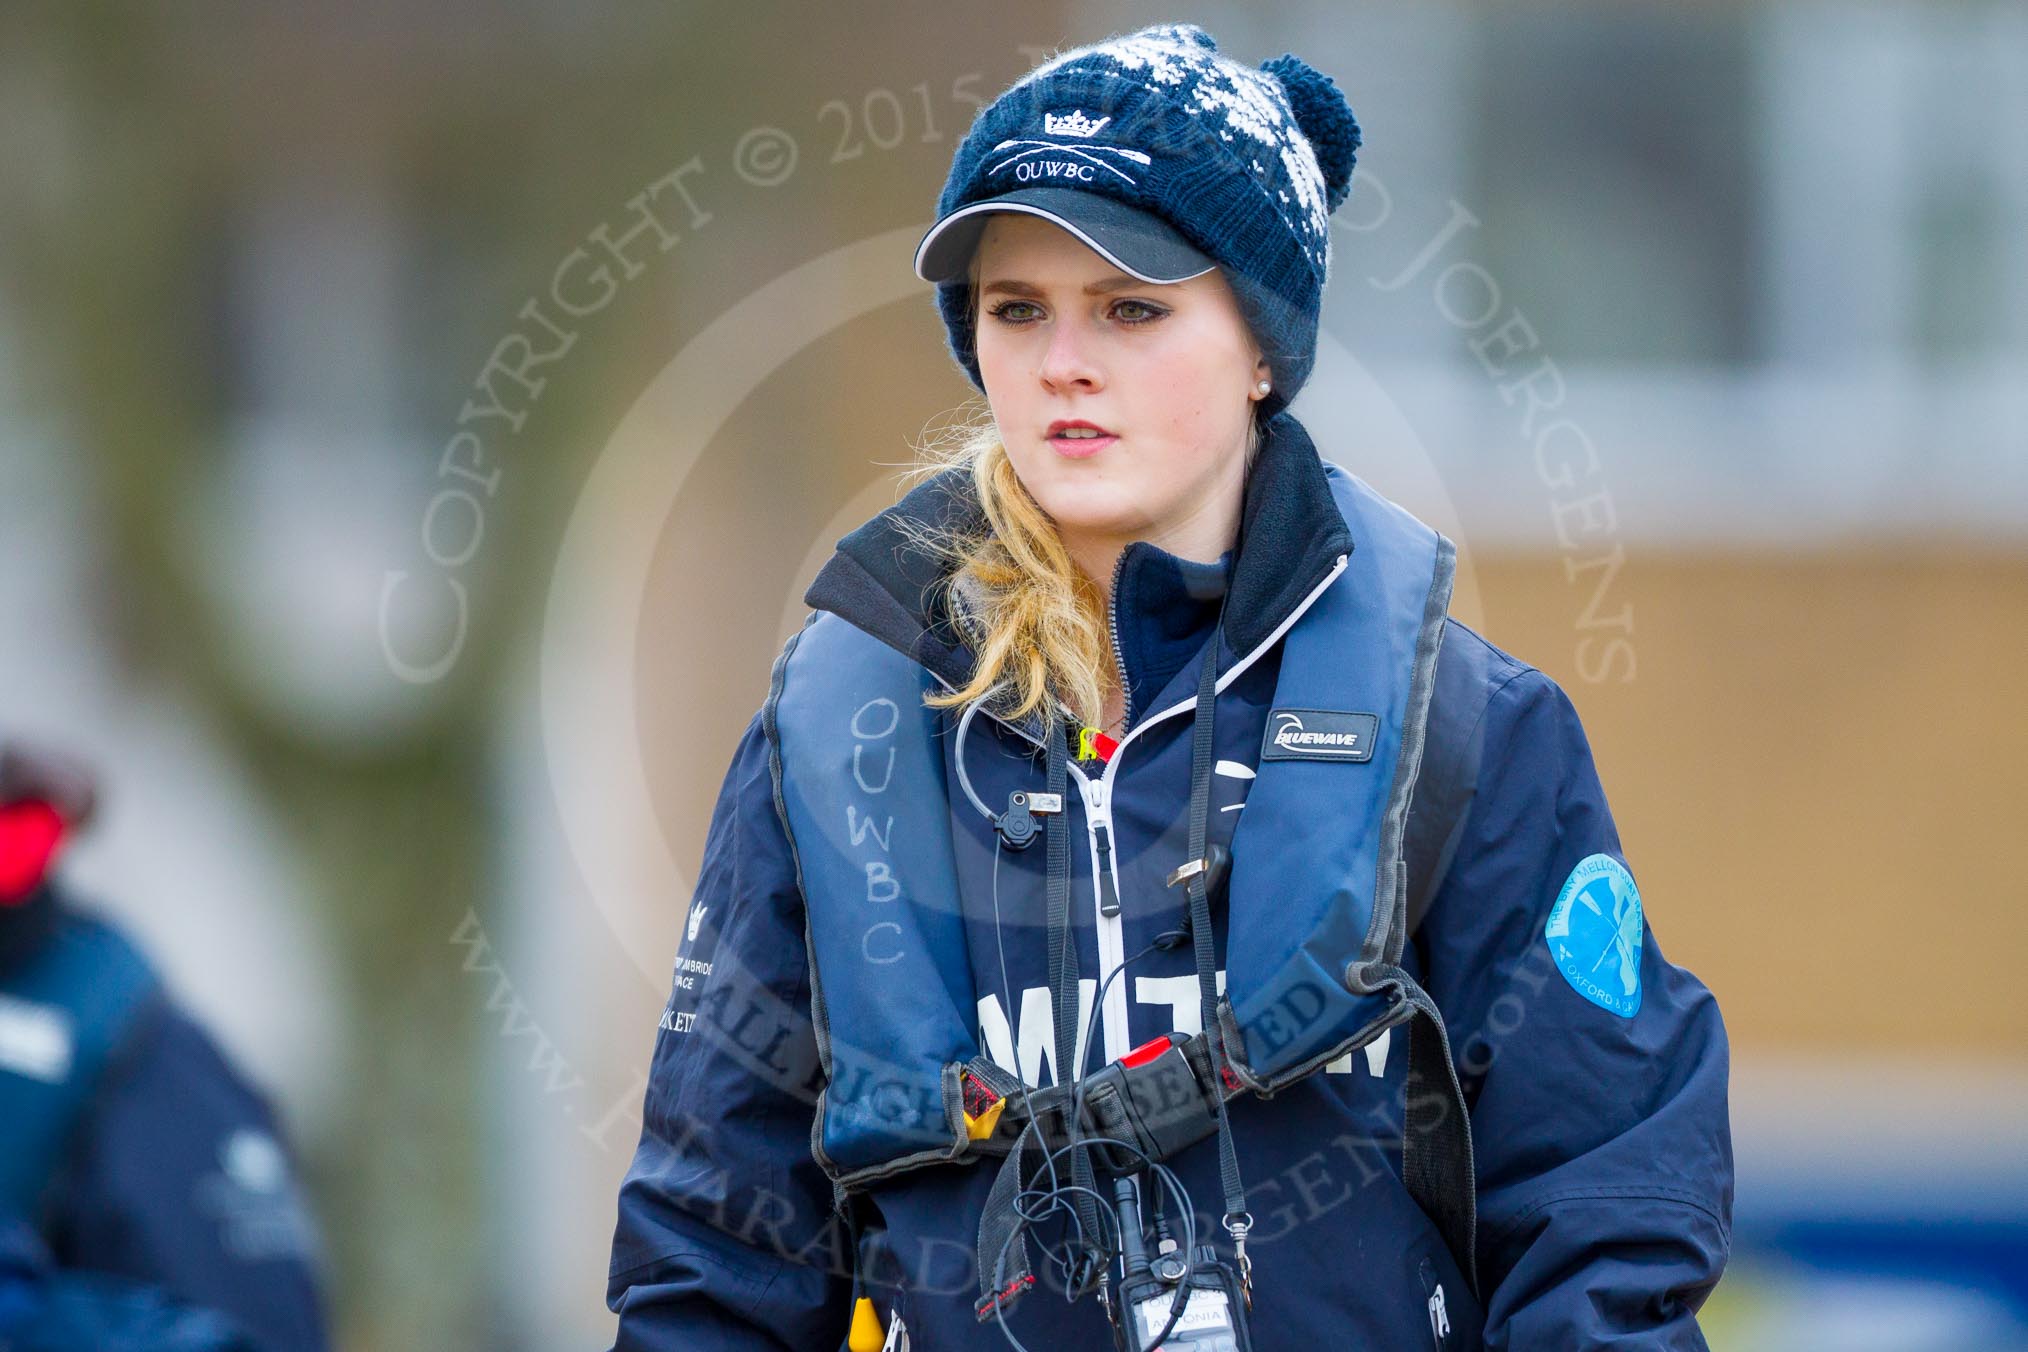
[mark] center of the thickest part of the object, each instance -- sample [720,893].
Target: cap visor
[1136,242]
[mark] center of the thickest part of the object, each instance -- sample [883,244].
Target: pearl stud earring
[1263,387]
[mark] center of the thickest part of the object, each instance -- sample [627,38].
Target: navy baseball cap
[1134,241]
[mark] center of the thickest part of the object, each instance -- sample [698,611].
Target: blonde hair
[1036,625]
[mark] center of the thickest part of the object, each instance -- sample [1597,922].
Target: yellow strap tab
[866,1335]
[1087,743]
[980,1127]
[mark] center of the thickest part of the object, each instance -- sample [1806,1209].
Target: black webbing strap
[1436,1135]
[1064,1004]
[845,1207]
[1237,1219]
[1003,1253]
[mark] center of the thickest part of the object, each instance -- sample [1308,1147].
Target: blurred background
[418,424]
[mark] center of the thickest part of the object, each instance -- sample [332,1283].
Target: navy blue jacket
[176,1179]
[1599,1113]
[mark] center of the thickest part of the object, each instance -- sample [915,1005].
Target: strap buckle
[1159,1099]
[1238,1225]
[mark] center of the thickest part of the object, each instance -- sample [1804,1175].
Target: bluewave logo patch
[1319,734]
[1594,933]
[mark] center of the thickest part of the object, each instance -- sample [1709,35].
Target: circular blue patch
[1594,933]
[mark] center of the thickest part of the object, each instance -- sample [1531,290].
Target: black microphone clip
[1018,826]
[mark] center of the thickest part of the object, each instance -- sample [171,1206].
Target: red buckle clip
[1151,1049]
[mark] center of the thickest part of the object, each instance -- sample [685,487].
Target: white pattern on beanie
[1182,62]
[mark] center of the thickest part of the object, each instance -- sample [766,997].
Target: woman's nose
[1069,362]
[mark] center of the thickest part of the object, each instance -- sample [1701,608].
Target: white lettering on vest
[1186,1007]
[1037,1042]
[862,827]
[1027,1052]
[874,721]
[859,773]
[1376,1057]
[866,944]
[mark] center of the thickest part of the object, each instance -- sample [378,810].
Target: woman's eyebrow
[1119,282]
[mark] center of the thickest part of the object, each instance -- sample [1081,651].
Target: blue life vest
[66,1007]
[1316,911]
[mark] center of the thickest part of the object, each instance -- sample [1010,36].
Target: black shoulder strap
[1437,1157]
[1436,818]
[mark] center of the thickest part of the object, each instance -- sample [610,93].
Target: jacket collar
[1291,534]
[1162,611]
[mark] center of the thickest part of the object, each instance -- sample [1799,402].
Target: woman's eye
[1126,311]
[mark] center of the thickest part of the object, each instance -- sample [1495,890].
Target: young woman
[1136,902]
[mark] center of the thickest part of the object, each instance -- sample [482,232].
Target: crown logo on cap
[1076,124]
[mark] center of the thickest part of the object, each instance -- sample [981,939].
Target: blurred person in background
[864,1003]
[146,1199]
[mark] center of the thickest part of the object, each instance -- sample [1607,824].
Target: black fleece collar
[1291,534]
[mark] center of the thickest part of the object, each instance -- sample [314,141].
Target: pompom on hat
[1168,158]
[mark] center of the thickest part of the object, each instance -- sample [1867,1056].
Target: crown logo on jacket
[1076,124]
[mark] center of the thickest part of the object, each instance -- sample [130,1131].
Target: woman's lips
[1078,448]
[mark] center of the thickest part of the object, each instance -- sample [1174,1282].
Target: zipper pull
[1109,900]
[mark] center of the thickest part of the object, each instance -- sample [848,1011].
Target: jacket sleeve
[727,1241]
[179,1180]
[1594,1069]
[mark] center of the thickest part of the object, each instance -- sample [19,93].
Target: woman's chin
[1082,518]
[1089,505]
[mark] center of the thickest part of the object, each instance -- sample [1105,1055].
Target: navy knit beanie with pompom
[1246,164]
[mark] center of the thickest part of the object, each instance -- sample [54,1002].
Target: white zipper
[1110,928]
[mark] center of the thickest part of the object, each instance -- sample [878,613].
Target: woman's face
[1167,371]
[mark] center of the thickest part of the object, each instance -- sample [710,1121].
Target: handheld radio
[1173,1302]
